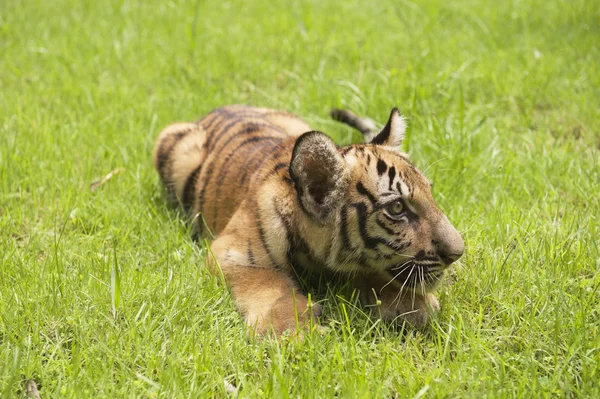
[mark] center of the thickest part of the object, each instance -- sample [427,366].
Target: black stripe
[296,244]
[253,166]
[250,254]
[187,200]
[209,120]
[263,240]
[301,247]
[280,165]
[381,256]
[401,246]
[387,229]
[206,181]
[344,229]
[363,191]
[275,169]
[215,136]
[422,255]
[392,176]
[288,229]
[235,119]
[369,241]
[398,246]
[249,128]
[409,187]
[212,169]
[164,154]
[346,150]
[210,149]
[381,167]
[227,165]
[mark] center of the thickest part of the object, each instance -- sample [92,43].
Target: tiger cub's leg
[390,303]
[268,298]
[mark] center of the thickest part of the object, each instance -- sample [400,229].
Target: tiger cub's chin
[281,197]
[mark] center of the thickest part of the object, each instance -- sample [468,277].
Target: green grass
[103,293]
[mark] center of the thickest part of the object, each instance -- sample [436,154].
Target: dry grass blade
[230,388]
[31,390]
[99,183]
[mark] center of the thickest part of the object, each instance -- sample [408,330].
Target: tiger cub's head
[377,205]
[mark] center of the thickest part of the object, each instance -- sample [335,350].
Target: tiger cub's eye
[395,208]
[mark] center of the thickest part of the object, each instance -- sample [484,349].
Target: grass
[103,293]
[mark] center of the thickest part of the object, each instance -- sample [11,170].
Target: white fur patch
[351,160]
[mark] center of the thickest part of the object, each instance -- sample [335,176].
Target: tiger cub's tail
[366,126]
[177,155]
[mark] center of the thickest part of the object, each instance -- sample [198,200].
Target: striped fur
[282,198]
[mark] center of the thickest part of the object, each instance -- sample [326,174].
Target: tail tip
[336,114]
[342,115]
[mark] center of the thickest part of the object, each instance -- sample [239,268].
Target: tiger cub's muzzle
[426,267]
[448,244]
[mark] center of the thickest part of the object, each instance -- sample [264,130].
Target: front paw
[287,313]
[414,309]
[432,303]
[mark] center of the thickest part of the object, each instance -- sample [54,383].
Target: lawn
[104,294]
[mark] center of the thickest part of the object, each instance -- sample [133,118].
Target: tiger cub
[282,198]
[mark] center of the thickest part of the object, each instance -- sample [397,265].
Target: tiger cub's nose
[449,258]
[449,244]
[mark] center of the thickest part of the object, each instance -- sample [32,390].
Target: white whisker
[404,266]
[397,267]
[406,281]
[422,281]
[414,287]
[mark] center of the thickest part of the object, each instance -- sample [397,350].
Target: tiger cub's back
[210,166]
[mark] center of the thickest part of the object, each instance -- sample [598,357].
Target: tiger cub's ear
[393,132]
[319,173]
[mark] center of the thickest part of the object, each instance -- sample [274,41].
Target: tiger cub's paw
[287,315]
[415,310]
[432,303]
